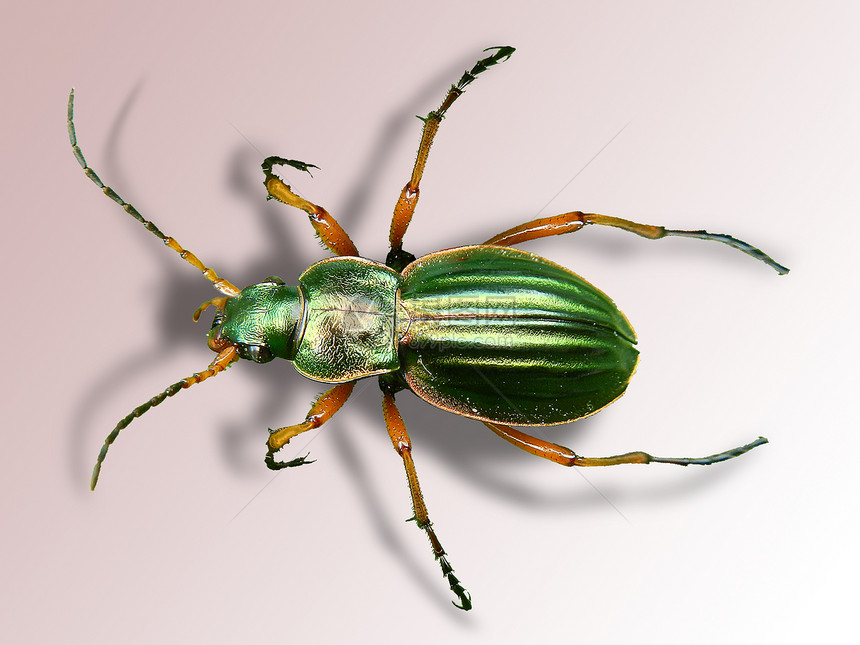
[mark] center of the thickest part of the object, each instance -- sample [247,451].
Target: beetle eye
[256,353]
[218,319]
[273,279]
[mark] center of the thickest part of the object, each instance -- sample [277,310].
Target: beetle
[484,331]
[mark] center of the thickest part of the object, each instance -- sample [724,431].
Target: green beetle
[483,331]
[492,333]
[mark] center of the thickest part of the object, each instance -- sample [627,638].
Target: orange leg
[566,456]
[573,221]
[330,232]
[225,358]
[321,411]
[403,446]
[405,206]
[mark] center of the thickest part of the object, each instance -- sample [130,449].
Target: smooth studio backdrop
[738,117]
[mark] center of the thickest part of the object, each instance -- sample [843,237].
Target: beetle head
[260,322]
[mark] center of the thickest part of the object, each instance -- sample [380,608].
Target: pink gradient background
[741,117]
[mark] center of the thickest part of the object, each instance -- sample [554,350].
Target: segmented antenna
[227,356]
[221,284]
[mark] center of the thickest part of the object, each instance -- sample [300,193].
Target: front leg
[323,409]
[330,232]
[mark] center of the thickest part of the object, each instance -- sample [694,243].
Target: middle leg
[405,207]
[403,446]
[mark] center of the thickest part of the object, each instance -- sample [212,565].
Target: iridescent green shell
[348,328]
[486,332]
[503,335]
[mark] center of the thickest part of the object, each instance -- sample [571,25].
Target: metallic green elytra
[483,331]
[499,334]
